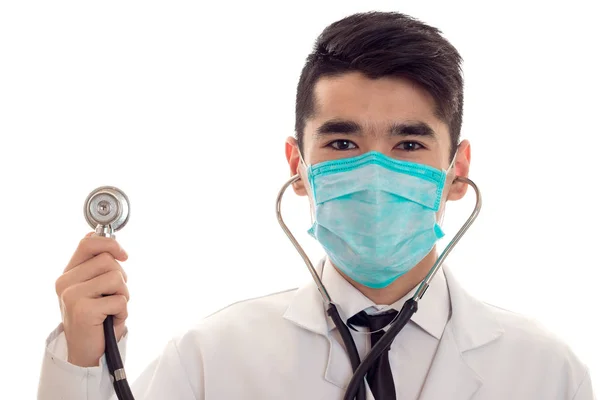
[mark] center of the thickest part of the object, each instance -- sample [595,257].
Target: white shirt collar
[432,315]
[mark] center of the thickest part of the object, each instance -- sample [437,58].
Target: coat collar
[471,325]
[434,309]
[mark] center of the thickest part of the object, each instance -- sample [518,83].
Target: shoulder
[517,355]
[246,317]
[510,338]
[257,308]
[521,328]
[239,331]
[530,341]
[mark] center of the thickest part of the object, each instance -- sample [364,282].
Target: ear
[292,153]
[461,168]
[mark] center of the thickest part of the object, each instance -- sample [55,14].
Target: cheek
[319,155]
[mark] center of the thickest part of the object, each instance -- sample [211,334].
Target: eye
[410,146]
[342,144]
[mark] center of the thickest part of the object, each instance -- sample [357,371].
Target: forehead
[374,103]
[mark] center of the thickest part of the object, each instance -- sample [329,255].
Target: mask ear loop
[447,171]
[311,199]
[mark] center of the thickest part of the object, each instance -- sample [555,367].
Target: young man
[378,119]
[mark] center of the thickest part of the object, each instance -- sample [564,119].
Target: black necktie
[379,377]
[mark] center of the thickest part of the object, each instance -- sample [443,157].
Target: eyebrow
[417,128]
[336,126]
[333,127]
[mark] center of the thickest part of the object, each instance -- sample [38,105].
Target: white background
[186,107]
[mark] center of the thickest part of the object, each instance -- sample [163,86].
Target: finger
[106,284]
[91,246]
[95,311]
[100,264]
[115,305]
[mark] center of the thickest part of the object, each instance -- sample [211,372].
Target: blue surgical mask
[375,216]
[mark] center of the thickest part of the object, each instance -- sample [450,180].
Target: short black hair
[384,44]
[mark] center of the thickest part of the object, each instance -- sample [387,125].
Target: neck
[401,286]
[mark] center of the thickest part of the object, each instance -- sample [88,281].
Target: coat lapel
[471,326]
[307,310]
[450,377]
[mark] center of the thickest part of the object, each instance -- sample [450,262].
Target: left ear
[461,168]
[292,154]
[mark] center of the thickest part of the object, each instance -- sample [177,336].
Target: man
[378,119]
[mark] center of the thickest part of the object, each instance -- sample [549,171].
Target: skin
[374,107]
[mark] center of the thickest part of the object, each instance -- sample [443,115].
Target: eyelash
[420,145]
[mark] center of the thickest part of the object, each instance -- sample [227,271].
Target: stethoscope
[356,387]
[107,210]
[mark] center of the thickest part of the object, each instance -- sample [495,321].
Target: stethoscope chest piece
[106,210]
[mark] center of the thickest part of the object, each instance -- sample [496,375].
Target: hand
[92,286]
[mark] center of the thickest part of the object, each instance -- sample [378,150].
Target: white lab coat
[278,347]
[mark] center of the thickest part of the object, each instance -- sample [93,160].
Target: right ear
[292,153]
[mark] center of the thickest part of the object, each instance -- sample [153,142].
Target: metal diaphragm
[107,206]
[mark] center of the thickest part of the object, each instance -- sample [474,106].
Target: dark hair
[382,44]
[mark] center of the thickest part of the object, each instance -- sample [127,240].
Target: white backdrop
[186,107]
